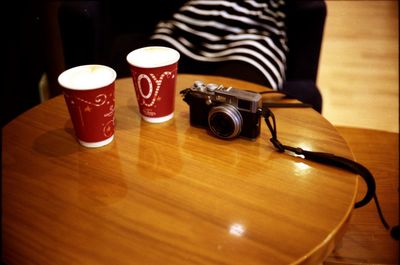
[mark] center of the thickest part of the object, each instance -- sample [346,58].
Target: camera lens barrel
[225,121]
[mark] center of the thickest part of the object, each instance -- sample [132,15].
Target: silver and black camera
[228,112]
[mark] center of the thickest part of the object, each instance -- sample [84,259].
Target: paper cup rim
[175,57]
[62,82]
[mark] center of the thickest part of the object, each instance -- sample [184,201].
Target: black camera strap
[328,159]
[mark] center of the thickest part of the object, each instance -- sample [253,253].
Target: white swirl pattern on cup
[158,82]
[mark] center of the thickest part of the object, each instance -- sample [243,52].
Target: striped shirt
[251,31]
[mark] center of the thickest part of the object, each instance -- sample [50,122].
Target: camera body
[228,112]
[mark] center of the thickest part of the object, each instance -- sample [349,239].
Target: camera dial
[225,121]
[212,87]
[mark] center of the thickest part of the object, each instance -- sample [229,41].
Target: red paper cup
[89,95]
[154,70]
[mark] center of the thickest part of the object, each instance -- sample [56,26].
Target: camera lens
[225,121]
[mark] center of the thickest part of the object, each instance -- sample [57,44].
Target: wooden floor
[359,81]
[366,241]
[359,64]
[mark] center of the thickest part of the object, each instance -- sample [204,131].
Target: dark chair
[106,31]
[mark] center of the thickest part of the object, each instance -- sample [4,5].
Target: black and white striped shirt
[251,31]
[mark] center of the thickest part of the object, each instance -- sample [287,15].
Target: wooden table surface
[170,193]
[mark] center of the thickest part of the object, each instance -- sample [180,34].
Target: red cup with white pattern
[154,70]
[89,95]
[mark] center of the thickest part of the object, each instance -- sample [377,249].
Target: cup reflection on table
[89,95]
[99,176]
[159,152]
[154,70]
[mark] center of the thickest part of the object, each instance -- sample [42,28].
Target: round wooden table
[170,193]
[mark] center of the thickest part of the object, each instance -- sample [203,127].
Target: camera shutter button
[212,87]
